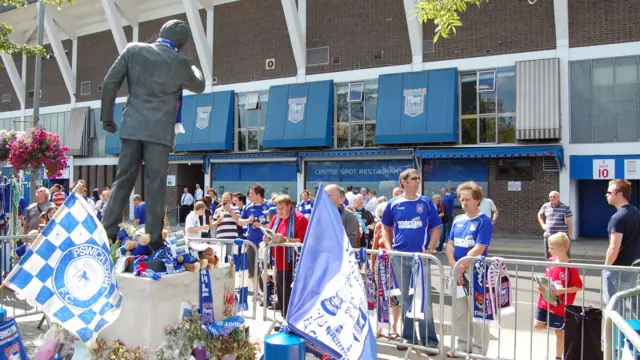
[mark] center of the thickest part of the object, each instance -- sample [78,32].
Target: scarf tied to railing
[387,286]
[417,287]
[179,128]
[491,292]
[369,283]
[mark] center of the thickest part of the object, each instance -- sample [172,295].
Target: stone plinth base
[149,306]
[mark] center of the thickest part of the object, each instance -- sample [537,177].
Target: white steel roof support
[415,34]
[296,35]
[53,34]
[128,12]
[203,48]
[14,76]
[115,23]
[62,22]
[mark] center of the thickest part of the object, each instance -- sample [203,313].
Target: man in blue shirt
[253,217]
[449,201]
[306,205]
[470,236]
[413,222]
[140,211]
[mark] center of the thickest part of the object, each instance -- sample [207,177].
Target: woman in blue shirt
[470,236]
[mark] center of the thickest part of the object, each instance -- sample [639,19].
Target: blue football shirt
[467,232]
[140,213]
[412,222]
[305,207]
[258,211]
[449,202]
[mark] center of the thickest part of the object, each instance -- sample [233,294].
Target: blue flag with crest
[68,274]
[328,305]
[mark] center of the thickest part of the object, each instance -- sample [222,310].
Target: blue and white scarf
[241,262]
[179,129]
[371,289]
[387,286]
[206,298]
[416,308]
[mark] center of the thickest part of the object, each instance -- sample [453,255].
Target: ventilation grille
[6,98]
[550,164]
[99,88]
[335,60]
[85,88]
[30,94]
[378,55]
[428,46]
[270,64]
[318,56]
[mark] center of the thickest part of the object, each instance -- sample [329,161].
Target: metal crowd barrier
[14,306]
[616,326]
[429,261]
[588,297]
[268,275]
[246,244]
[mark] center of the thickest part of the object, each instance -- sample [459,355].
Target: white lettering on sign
[604,169]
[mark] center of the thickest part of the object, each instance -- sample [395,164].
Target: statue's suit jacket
[155,75]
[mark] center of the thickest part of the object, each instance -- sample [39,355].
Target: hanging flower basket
[38,148]
[5,139]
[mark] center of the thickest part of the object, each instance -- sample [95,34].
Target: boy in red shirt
[290,226]
[566,282]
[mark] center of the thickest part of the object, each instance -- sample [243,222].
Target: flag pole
[36,91]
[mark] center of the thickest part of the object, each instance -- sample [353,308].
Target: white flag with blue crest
[67,272]
[328,304]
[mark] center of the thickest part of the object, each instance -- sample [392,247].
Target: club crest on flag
[328,305]
[67,272]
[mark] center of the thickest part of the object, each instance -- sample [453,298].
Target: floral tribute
[37,148]
[108,350]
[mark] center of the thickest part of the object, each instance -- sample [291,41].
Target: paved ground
[513,340]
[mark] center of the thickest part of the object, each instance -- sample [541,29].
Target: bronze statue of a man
[156,74]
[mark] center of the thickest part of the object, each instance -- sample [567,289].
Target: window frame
[530,177]
[263,98]
[478,115]
[345,88]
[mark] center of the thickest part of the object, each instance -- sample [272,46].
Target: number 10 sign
[604,169]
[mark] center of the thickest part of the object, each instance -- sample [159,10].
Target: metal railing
[590,297]
[616,327]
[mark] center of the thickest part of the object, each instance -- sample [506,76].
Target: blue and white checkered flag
[68,273]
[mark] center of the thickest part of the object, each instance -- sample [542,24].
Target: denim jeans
[616,281]
[402,267]
[444,234]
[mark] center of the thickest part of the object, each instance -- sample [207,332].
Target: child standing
[566,283]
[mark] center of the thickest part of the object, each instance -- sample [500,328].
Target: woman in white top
[193,228]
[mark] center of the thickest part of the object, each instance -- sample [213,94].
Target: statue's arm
[112,83]
[195,82]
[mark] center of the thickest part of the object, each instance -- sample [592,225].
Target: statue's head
[177,32]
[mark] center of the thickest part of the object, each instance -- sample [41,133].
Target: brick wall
[597,22]
[54,91]
[355,30]
[519,209]
[96,54]
[504,26]
[172,198]
[7,88]
[246,34]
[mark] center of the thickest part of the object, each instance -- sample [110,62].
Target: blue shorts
[556,322]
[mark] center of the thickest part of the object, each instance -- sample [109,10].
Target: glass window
[515,169]
[356,110]
[487,98]
[453,172]
[274,177]
[250,125]
[605,100]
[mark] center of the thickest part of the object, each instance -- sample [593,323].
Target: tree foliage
[7,44]
[445,14]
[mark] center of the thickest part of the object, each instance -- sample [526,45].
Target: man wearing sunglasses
[554,217]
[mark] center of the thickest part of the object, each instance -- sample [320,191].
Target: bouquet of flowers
[37,148]
[5,139]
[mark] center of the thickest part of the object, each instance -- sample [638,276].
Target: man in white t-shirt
[193,228]
[349,194]
[487,207]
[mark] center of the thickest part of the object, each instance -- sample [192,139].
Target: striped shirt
[228,229]
[555,218]
[58,198]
